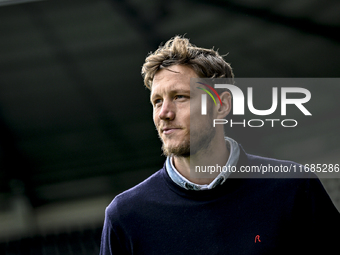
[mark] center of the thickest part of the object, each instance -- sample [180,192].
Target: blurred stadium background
[75,120]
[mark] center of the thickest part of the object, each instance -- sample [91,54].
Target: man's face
[170,97]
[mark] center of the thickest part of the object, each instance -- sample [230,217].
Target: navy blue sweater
[242,216]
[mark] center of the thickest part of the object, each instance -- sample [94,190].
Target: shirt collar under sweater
[180,180]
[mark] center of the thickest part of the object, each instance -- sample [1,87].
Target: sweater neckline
[230,185]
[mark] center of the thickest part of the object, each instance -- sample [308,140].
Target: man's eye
[179,97]
[157,102]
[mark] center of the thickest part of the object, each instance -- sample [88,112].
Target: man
[174,212]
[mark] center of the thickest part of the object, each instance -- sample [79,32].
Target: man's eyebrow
[152,96]
[174,91]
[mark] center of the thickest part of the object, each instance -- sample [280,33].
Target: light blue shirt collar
[220,179]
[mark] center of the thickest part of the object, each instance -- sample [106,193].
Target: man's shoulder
[267,167]
[287,179]
[257,160]
[137,194]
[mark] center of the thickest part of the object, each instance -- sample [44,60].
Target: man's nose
[167,111]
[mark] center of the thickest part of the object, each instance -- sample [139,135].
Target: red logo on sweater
[257,238]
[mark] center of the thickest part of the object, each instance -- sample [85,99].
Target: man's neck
[217,153]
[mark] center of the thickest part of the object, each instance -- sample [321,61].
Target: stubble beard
[193,143]
[181,150]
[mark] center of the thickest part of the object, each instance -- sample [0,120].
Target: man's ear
[224,109]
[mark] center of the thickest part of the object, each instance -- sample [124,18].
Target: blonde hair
[207,63]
